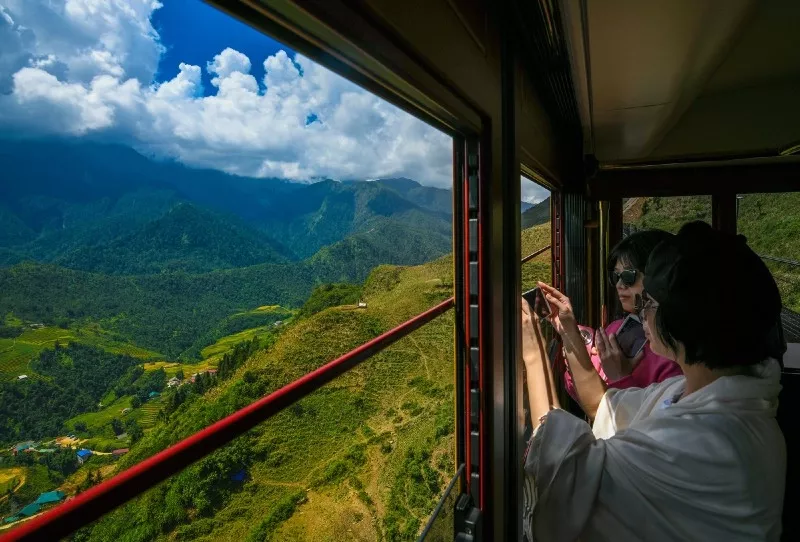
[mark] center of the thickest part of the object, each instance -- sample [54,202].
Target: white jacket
[709,467]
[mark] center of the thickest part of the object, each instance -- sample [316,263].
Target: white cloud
[86,67]
[532,192]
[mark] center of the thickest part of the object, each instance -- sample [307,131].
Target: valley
[146,308]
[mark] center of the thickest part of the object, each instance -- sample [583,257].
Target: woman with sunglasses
[625,270]
[697,457]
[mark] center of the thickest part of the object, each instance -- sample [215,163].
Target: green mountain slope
[81,205]
[323,213]
[368,453]
[168,312]
[187,238]
[437,200]
[537,214]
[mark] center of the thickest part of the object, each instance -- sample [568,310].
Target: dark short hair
[635,249]
[716,297]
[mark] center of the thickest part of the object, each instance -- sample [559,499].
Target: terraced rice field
[16,353]
[150,412]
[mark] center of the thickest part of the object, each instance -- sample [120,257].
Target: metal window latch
[468,520]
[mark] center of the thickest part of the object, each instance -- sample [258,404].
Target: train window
[536,233]
[193,216]
[664,213]
[770,222]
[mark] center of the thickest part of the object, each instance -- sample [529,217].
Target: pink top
[651,369]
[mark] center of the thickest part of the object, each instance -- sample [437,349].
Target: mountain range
[109,209]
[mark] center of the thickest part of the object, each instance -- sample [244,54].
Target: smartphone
[631,337]
[538,303]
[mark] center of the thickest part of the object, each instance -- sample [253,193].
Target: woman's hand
[561,314]
[616,364]
[531,335]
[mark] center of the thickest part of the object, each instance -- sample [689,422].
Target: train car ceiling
[680,79]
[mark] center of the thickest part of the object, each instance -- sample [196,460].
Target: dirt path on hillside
[422,355]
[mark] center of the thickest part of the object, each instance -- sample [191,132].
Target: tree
[134,431]
[136,402]
[81,427]
[179,374]
[62,461]
[117,427]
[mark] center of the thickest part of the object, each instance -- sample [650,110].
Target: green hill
[321,214]
[373,449]
[537,214]
[169,312]
[366,455]
[108,208]
[187,238]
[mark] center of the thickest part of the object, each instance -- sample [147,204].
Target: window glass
[536,233]
[771,223]
[193,215]
[664,213]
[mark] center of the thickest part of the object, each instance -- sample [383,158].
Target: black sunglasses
[628,277]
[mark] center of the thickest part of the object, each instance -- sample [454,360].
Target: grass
[533,239]
[669,213]
[98,423]
[149,412]
[171,368]
[16,353]
[213,354]
[10,478]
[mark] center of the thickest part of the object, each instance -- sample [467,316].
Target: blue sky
[185,27]
[181,80]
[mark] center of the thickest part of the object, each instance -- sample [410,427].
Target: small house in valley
[84,455]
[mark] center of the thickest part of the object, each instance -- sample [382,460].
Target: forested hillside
[186,238]
[107,208]
[167,312]
[369,453]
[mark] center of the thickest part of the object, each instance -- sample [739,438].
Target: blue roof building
[24,446]
[83,455]
[30,510]
[50,497]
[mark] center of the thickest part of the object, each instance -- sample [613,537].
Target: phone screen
[631,337]
[538,303]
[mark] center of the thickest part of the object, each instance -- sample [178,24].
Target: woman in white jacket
[696,457]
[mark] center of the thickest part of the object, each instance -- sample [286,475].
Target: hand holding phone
[537,302]
[620,352]
[631,337]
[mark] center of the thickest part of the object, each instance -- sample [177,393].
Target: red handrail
[529,257]
[90,505]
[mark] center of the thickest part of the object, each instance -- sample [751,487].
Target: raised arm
[542,394]
[589,387]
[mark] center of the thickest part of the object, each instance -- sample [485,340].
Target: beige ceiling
[661,79]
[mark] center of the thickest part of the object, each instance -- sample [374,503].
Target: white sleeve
[617,409]
[565,464]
